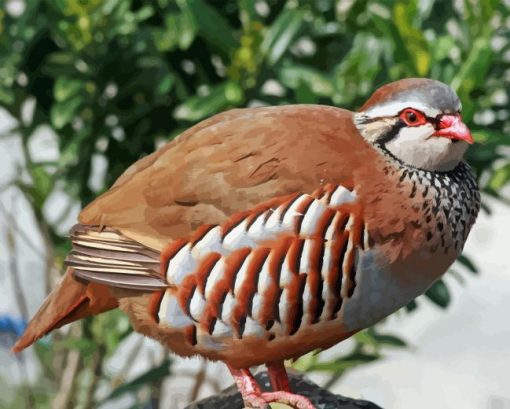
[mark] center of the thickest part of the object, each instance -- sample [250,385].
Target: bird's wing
[238,160]
[227,164]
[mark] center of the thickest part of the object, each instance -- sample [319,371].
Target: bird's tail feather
[70,301]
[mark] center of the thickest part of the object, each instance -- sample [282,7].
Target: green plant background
[114,79]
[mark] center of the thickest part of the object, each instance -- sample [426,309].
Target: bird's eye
[412,117]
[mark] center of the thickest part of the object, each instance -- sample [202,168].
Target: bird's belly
[381,290]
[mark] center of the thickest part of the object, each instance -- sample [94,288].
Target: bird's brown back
[231,163]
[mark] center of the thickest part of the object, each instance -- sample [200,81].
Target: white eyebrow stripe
[393,108]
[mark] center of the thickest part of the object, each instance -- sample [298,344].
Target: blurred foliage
[114,79]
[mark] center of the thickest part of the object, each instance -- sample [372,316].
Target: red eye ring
[412,117]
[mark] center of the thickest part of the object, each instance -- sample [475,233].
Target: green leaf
[366,337]
[412,38]
[472,74]
[165,84]
[389,340]
[247,11]
[63,112]
[282,34]
[150,377]
[41,187]
[350,361]
[84,345]
[66,88]
[305,362]
[110,329]
[466,262]
[180,31]
[212,26]
[439,294]
[144,13]
[500,178]
[293,76]
[220,97]
[411,306]
[6,96]
[356,73]
[372,338]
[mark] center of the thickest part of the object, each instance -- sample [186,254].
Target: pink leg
[249,389]
[278,376]
[282,392]
[253,397]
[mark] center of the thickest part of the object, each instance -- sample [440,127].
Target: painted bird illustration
[261,234]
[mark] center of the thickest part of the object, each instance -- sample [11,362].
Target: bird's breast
[382,287]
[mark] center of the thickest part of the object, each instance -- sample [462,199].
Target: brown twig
[13,268]
[157,389]
[97,367]
[64,395]
[19,296]
[21,233]
[200,379]
[128,364]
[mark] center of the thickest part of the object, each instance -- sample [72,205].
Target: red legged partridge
[261,234]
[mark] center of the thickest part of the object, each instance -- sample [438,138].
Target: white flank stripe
[345,266]
[256,306]
[227,307]
[273,223]
[163,306]
[174,315]
[283,307]
[312,216]
[366,238]
[307,299]
[341,195]
[285,274]
[211,242]
[329,301]
[181,265]
[350,222]
[330,232]
[326,261]
[238,238]
[289,220]
[221,329]
[214,276]
[242,275]
[252,327]
[304,262]
[265,279]
[197,305]
[326,291]
[257,230]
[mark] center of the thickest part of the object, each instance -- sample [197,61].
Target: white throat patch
[418,147]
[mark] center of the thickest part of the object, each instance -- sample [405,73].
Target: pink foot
[254,398]
[288,398]
[255,402]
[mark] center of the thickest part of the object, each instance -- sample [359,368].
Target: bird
[261,234]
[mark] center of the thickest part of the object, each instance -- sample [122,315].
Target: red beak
[452,127]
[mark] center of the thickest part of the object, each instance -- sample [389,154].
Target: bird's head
[418,121]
